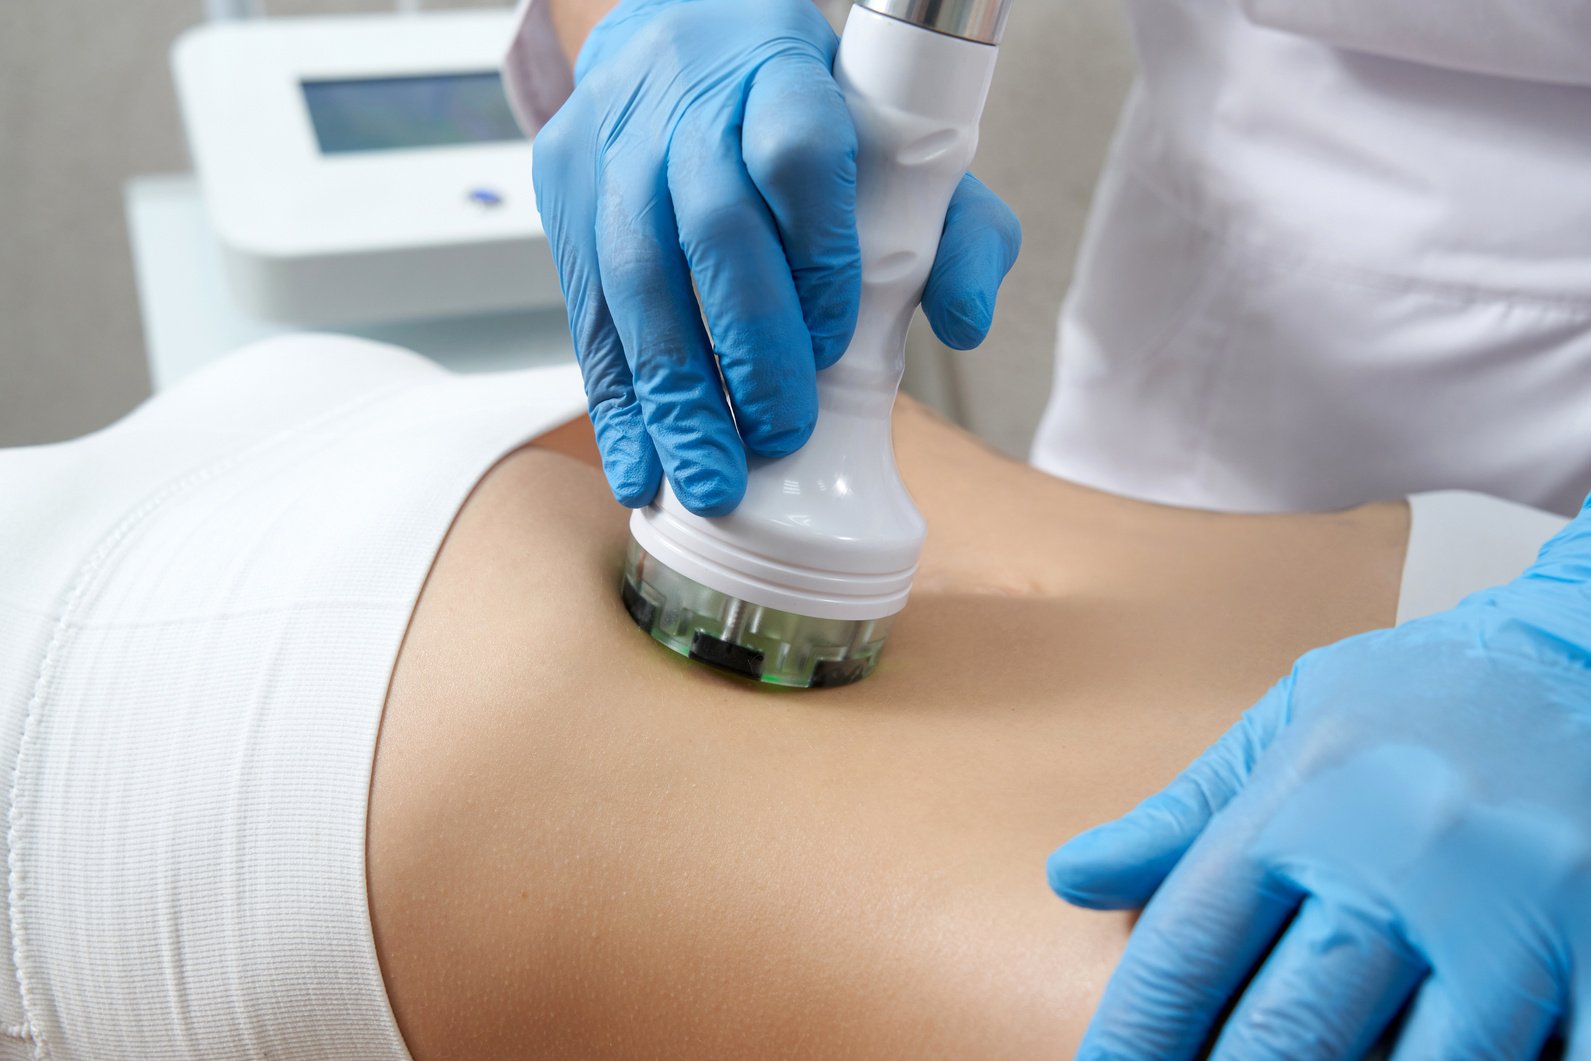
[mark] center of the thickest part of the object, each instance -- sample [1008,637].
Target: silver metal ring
[974,20]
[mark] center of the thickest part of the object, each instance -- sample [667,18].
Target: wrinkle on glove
[698,190]
[1403,824]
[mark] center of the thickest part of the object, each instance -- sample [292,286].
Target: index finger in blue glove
[799,146]
[648,287]
[981,241]
[629,460]
[747,293]
[1119,865]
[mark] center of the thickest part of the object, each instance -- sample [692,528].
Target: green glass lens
[763,644]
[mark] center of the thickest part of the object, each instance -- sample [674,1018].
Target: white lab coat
[1341,251]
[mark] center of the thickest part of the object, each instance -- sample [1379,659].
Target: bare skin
[572,21]
[582,845]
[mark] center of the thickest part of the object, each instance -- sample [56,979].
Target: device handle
[916,97]
[830,532]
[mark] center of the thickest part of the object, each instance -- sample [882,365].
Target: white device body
[313,238]
[831,532]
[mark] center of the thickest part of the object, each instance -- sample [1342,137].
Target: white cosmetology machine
[799,586]
[364,169]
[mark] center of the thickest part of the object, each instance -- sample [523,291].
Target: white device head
[364,168]
[796,587]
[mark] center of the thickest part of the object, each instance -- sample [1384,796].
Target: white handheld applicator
[799,585]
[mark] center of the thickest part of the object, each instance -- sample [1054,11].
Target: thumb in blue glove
[707,144]
[1401,821]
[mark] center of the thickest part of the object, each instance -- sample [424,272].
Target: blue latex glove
[1407,816]
[706,140]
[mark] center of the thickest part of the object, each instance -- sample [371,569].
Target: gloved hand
[706,140]
[1407,816]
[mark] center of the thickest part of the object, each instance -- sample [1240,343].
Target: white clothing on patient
[200,609]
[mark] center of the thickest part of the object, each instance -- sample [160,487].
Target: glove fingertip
[831,304]
[1081,873]
[774,444]
[961,323]
[709,489]
[830,344]
[632,494]
[634,483]
[712,502]
[629,460]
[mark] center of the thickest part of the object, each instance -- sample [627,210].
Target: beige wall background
[86,102]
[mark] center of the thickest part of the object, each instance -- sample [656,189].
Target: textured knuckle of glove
[554,140]
[629,269]
[554,155]
[791,152]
